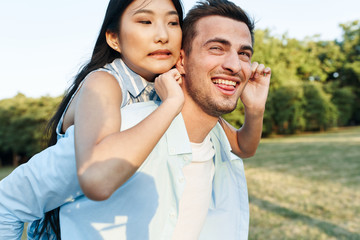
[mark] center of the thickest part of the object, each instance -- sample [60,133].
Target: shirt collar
[179,143]
[133,81]
[219,138]
[177,137]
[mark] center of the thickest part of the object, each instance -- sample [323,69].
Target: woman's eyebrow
[143,11]
[172,12]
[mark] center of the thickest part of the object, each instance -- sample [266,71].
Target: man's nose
[161,34]
[232,62]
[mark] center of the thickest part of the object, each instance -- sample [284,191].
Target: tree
[319,112]
[349,72]
[23,122]
[287,104]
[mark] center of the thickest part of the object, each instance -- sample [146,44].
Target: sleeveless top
[134,89]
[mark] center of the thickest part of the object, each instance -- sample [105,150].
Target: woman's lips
[160,54]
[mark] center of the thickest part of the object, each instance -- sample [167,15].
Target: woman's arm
[244,141]
[105,157]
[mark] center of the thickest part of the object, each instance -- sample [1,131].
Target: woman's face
[150,37]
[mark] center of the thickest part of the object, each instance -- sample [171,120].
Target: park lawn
[303,187]
[4,171]
[306,186]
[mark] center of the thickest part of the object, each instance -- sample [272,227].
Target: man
[190,186]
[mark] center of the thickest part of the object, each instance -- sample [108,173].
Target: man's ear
[181,62]
[113,41]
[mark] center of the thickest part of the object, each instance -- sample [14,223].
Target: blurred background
[304,181]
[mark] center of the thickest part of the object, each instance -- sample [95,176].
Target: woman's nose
[161,34]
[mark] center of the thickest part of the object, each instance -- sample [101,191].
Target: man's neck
[198,123]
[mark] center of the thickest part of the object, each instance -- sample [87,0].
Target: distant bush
[319,112]
[22,124]
[287,108]
[344,99]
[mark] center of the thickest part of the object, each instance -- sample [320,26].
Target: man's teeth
[225,82]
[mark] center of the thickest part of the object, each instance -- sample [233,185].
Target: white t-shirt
[195,201]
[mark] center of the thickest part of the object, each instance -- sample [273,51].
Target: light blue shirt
[146,206]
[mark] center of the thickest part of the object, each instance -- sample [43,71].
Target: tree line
[315,85]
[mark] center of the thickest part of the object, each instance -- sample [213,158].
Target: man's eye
[245,54]
[215,48]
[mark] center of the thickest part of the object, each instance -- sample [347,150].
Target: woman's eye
[145,22]
[174,23]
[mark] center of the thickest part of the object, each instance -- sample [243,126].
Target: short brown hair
[222,8]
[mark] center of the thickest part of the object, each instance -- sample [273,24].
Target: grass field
[304,187]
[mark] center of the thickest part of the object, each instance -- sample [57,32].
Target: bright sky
[43,43]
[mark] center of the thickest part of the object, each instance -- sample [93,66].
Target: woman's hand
[167,86]
[256,91]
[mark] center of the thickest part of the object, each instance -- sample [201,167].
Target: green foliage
[22,123]
[320,113]
[349,72]
[268,122]
[344,100]
[287,101]
[275,53]
[297,100]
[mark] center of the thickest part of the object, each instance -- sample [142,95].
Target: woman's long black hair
[102,54]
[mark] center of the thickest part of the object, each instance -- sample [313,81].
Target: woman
[138,41]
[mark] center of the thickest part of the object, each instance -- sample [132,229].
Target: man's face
[219,65]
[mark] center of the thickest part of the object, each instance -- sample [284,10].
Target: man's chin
[219,110]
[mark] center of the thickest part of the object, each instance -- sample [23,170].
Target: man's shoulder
[133,113]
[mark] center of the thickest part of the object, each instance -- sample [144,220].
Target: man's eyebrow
[247,47]
[152,12]
[227,43]
[218,40]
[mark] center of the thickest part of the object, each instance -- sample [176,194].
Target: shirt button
[172,150]
[186,158]
[181,179]
[172,215]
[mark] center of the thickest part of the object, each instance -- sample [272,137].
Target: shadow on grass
[328,228]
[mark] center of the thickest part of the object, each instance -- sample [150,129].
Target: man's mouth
[226,83]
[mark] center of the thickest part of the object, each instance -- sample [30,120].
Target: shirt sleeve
[46,181]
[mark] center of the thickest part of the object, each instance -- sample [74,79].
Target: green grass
[304,187]
[4,171]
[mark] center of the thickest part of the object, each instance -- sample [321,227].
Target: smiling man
[191,186]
